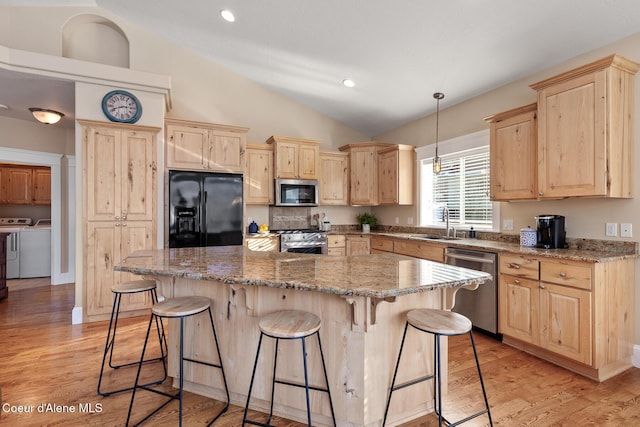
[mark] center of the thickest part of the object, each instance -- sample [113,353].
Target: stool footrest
[412,382]
[311,387]
[213,365]
[462,421]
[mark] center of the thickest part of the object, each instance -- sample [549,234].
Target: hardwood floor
[45,359]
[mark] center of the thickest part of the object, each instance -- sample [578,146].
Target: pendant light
[437,161]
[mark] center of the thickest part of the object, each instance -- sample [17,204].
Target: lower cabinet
[358,245]
[429,251]
[336,244]
[3,265]
[576,314]
[381,244]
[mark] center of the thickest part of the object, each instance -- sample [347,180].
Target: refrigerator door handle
[204,219]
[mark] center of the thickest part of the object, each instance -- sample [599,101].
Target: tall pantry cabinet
[119,209]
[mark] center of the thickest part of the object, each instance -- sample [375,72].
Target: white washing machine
[13,226]
[35,250]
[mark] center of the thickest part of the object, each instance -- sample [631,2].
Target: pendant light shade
[48,117]
[437,161]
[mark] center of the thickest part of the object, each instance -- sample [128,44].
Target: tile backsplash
[289,218]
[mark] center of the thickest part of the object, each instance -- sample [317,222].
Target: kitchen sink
[433,237]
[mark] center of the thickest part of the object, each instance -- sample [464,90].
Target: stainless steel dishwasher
[481,305]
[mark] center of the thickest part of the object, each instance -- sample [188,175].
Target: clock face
[121,106]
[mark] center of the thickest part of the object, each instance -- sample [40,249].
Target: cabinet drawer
[519,265]
[562,273]
[382,244]
[336,240]
[419,250]
[337,251]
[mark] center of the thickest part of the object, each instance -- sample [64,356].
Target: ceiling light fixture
[227,15]
[348,83]
[437,161]
[48,117]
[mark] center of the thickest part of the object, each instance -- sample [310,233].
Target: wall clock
[121,106]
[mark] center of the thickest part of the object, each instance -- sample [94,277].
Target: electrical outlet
[625,230]
[409,220]
[612,229]
[397,220]
[507,224]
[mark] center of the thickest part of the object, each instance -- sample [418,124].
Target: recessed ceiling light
[227,15]
[348,83]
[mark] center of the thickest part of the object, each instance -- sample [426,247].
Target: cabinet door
[138,176]
[102,252]
[226,151]
[388,178]
[42,186]
[286,160]
[572,157]
[358,245]
[565,321]
[187,147]
[258,177]
[513,158]
[102,169]
[518,312]
[363,176]
[308,161]
[18,185]
[334,179]
[134,236]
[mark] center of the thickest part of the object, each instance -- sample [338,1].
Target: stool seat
[439,322]
[289,324]
[133,286]
[181,306]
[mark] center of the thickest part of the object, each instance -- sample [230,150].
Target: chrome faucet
[445,217]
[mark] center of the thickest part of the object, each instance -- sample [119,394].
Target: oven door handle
[470,258]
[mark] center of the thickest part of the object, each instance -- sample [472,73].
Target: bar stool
[128,288]
[179,308]
[438,323]
[289,325]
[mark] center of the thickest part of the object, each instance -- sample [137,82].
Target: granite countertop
[377,276]
[579,249]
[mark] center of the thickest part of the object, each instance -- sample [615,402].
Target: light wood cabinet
[205,146]
[363,173]
[4,291]
[396,166]
[418,249]
[258,177]
[578,315]
[334,178]
[336,244]
[381,244]
[25,185]
[513,154]
[296,158]
[119,212]
[585,125]
[358,245]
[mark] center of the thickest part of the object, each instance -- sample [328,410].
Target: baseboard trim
[635,357]
[76,315]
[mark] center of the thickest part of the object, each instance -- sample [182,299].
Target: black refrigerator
[205,209]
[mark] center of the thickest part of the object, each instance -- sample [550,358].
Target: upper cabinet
[296,158]
[395,175]
[25,185]
[380,173]
[258,176]
[513,154]
[334,178]
[585,131]
[205,146]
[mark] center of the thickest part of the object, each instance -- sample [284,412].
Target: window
[462,186]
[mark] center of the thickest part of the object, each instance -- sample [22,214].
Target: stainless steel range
[310,241]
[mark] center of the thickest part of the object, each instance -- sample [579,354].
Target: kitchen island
[362,301]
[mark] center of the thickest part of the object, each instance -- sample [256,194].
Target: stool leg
[181,365]
[326,379]
[108,346]
[484,393]
[306,380]
[224,378]
[273,382]
[253,374]
[395,372]
[135,385]
[439,379]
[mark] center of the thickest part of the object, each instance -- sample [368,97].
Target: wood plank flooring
[45,359]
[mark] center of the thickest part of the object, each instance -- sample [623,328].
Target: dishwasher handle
[470,258]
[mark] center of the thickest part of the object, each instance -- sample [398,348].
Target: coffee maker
[551,233]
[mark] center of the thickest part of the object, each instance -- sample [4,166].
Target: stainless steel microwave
[296,192]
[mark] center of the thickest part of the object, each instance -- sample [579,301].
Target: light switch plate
[507,224]
[612,229]
[626,230]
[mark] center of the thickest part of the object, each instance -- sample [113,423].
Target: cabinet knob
[516,266]
[124,225]
[124,218]
[563,274]
[540,193]
[117,224]
[517,281]
[541,286]
[117,218]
